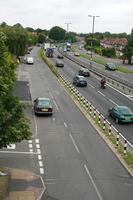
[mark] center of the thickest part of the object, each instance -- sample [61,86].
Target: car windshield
[43,102]
[111,64]
[124,110]
[82,78]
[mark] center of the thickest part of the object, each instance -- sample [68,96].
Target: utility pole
[68,26]
[93,23]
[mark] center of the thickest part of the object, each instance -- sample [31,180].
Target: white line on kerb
[38,146]
[94,185]
[40,163]
[39,157]
[37,140]
[113,102]
[101,93]
[65,124]
[74,143]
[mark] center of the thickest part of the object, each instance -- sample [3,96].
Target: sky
[115,16]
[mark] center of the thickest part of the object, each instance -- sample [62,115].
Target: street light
[68,26]
[93,23]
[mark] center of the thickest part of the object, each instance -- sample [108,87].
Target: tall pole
[68,26]
[93,23]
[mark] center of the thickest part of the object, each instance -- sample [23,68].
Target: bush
[109,52]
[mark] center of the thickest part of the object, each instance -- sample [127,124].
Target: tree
[128,51]
[57,33]
[41,38]
[14,127]
[109,52]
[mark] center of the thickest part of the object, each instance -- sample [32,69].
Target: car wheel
[117,120]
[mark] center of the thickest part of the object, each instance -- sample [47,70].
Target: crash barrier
[117,138]
[116,82]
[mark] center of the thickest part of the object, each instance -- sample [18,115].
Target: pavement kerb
[112,147]
[30,192]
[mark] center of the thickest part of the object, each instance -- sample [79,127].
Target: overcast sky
[116,16]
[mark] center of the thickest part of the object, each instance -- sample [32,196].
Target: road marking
[41,171]
[36,131]
[51,95]
[30,146]
[56,105]
[74,143]
[91,86]
[94,185]
[101,93]
[113,102]
[37,140]
[40,163]
[30,141]
[65,124]
[38,146]
[17,152]
[38,151]
[39,157]
[31,150]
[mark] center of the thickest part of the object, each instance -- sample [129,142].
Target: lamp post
[93,23]
[68,26]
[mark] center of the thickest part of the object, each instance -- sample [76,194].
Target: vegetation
[14,127]
[57,33]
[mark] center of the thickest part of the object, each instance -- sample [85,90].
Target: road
[73,160]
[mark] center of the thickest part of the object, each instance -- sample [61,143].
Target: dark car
[60,56]
[110,66]
[80,81]
[84,72]
[59,63]
[43,106]
[121,114]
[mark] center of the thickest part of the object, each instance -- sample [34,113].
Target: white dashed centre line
[101,93]
[113,102]
[74,143]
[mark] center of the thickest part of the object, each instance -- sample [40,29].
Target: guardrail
[116,137]
[123,85]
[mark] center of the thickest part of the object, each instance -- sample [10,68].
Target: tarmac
[24,185]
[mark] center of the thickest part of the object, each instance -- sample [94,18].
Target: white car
[30,60]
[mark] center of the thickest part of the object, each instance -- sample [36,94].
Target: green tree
[41,38]
[128,51]
[14,127]
[57,33]
[109,52]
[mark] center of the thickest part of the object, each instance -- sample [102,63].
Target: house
[117,43]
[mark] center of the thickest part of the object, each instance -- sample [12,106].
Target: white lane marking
[30,141]
[38,151]
[41,171]
[101,93]
[94,185]
[40,163]
[56,105]
[11,146]
[30,146]
[38,146]
[37,140]
[57,92]
[36,131]
[51,95]
[53,118]
[39,157]
[31,150]
[17,152]
[113,102]
[91,86]
[65,124]
[74,143]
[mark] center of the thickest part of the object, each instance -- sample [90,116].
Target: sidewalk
[24,185]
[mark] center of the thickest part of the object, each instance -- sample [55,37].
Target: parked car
[110,66]
[43,106]
[80,81]
[59,63]
[76,54]
[29,60]
[60,56]
[84,72]
[89,53]
[121,114]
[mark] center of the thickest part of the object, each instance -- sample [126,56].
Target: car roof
[83,68]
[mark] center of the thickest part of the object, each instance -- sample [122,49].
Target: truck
[46,45]
[49,52]
[67,46]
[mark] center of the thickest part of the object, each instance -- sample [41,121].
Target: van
[30,60]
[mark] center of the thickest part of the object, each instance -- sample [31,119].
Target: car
[59,63]
[60,56]
[84,71]
[76,54]
[29,60]
[80,81]
[121,114]
[110,66]
[89,53]
[43,106]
